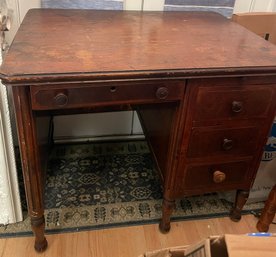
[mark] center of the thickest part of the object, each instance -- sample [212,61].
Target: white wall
[93,126]
[153,5]
[254,6]
[25,5]
[9,192]
[15,20]
[133,5]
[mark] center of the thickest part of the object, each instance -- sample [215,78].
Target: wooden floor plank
[128,241]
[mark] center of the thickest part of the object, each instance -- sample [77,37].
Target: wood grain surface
[127,241]
[93,42]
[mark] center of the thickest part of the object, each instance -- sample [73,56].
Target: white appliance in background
[9,191]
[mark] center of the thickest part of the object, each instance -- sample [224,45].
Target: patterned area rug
[100,185]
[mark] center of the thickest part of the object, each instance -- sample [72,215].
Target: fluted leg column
[31,165]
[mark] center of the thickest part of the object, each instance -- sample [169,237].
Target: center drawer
[88,95]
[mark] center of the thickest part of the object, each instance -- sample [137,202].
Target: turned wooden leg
[241,198]
[167,209]
[38,227]
[268,212]
[31,165]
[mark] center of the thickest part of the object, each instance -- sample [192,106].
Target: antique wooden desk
[204,89]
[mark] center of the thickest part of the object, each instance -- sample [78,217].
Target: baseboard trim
[64,140]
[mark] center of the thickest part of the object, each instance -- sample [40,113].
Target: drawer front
[224,103]
[208,142]
[215,177]
[83,95]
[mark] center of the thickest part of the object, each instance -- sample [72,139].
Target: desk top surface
[55,43]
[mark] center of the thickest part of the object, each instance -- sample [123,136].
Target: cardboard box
[261,23]
[223,246]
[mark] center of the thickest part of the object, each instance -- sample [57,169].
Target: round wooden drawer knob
[227,144]
[162,93]
[237,106]
[61,99]
[218,176]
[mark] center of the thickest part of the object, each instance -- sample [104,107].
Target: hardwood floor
[127,241]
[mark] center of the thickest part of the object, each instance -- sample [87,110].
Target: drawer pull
[237,106]
[218,176]
[227,144]
[61,99]
[113,89]
[162,93]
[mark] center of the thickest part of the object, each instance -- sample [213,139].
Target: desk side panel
[158,124]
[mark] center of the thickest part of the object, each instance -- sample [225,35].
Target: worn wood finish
[157,122]
[89,95]
[223,141]
[155,43]
[232,102]
[205,89]
[198,178]
[31,163]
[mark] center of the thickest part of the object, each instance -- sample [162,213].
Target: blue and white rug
[101,185]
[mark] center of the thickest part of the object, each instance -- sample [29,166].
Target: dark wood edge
[150,145]
[19,79]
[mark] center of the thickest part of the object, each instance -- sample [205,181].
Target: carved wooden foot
[38,227]
[241,198]
[167,209]
[268,212]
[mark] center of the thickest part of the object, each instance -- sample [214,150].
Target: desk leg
[241,198]
[167,209]
[31,166]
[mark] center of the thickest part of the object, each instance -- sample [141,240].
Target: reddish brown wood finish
[199,178]
[103,94]
[268,212]
[81,43]
[158,123]
[232,102]
[30,158]
[240,201]
[223,141]
[204,87]
[167,209]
